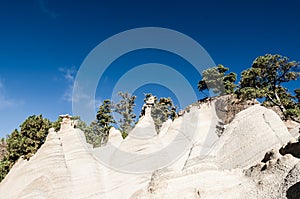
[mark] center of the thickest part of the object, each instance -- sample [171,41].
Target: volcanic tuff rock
[243,163]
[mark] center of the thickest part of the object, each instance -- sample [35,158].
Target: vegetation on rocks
[56,124]
[162,110]
[265,80]
[217,80]
[125,108]
[24,143]
[97,132]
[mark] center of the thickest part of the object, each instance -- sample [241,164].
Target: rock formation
[252,158]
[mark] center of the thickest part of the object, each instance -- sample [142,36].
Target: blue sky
[43,43]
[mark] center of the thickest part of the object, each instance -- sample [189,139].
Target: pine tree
[265,80]
[95,134]
[216,79]
[98,130]
[33,134]
[125,107]
[24,143]
[56,124]
[162,110]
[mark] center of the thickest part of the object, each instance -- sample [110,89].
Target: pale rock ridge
[114,137]
[46,171]
[206,178]
[66,167]
[247,138]
[61,168]
[274,178]
[291,185]
[84,169]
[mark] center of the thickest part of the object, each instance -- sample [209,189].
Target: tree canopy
[265,80]
[162,110]
[217,80]
[24,143]
[125,108]
[97,132]
[297,96]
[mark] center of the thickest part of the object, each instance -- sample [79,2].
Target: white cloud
[81,99]
[69,73]
[69,76]
[68,94]
[5,101]
[84,97]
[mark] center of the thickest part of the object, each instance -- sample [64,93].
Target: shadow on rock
[294,191]
[291,148]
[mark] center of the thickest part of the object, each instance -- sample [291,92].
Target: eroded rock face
[208,183]
[41,176]
[61,168]
[228,106]
[276,178]
[243,163]
[293,127]
[291,186]
[247,138]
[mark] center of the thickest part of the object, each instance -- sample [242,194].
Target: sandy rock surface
[253,158]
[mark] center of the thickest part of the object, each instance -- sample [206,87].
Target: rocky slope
[252,158]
